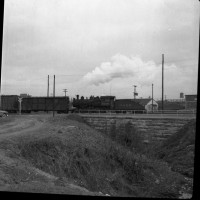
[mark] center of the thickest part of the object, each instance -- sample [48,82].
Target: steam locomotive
[106,103]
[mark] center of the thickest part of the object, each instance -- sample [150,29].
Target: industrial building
[190,101]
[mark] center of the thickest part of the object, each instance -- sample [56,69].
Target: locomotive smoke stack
[77,97]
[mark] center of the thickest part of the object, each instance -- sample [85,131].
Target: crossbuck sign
[20,102]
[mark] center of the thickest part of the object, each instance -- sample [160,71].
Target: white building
[147,103]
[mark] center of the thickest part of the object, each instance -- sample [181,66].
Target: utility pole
[48,87]
[65,90]
[54,96]
[152,98]
[162,81]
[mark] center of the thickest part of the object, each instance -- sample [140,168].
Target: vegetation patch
[98,163]
[178,150]
[128,136]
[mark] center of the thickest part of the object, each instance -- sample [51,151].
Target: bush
[127,135]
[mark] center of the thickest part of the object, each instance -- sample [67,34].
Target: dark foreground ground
[63,155]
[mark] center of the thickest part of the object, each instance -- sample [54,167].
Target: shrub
[127,135]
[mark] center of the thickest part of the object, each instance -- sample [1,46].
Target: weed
[114,166]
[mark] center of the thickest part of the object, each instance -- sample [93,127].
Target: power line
[71,75]
[181,60]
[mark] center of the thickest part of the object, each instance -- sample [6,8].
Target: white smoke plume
[122,66]
[122,72]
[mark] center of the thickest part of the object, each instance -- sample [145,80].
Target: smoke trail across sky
[123,67]
[123,71]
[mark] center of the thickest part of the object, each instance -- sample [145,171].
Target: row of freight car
[10,103]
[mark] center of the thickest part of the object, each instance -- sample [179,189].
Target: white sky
[100,47]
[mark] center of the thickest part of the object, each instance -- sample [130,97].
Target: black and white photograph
[98,98]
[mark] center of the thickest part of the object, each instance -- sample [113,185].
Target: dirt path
[16,174]
[21,124]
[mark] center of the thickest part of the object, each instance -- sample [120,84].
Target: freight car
[171,105]
[10,103]
[59,104]
[128,104]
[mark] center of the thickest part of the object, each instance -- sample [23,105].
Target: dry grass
[178,150]
[77,152]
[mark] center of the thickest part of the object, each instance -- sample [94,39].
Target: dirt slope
[39,153]
[178,150]
[16,173]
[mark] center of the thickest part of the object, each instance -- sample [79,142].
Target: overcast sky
[100,47]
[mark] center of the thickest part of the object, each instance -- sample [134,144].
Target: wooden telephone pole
[162,81]
[152,98]
[48,87]
[53,95]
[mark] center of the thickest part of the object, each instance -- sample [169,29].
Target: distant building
[181,95]
[190,101]
[147,103]
[25,95]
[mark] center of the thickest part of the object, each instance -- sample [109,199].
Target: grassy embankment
[114,165]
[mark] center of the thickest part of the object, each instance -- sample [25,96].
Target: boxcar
[59,104]
[9,103]
[127,104]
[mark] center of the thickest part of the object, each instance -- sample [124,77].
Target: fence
[136,112]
